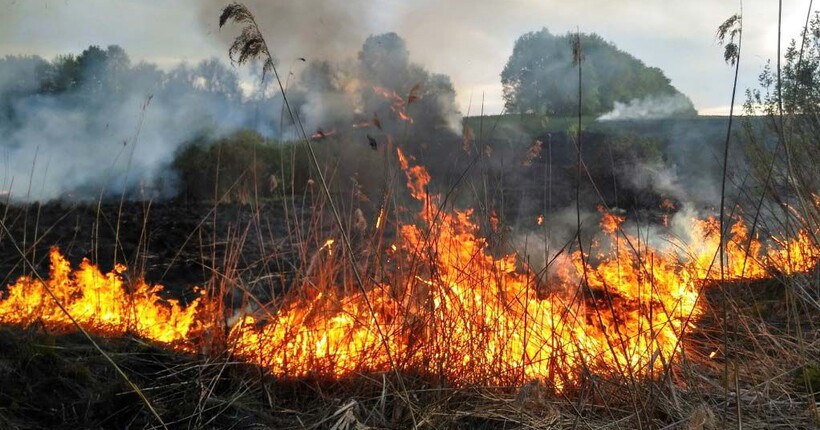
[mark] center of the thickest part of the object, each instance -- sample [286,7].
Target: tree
[430,98]
[790,102]
[22,74]
[64,76]
[103,71]
[90,110]
[800,80]
[539,76]
[19,77]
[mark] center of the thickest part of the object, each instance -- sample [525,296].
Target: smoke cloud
[377,98]
[652,107]
[94,126]
[315,30]
[337,53]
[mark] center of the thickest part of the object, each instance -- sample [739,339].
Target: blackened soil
[177,244]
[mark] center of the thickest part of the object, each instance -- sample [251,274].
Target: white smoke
[117,133]
[655,176]
[651,107]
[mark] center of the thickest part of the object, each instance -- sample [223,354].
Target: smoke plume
[95,126]
[651,107]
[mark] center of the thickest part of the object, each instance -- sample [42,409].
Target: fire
[794,256]
[446,305]
[403,116]
[397,104]
[321,134]
[478,319]
[610,222]
[329,246]
[798,254]
[103,304]
[379,218]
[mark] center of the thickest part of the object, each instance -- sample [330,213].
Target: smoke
[668,181]
[315,30]
[380,81]
[374,99]
[686,166]
[539,245]
[656,177]
[337,53]
[554,241]
[651,107]
[94,126]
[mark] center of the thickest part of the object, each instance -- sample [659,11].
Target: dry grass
[58,381]
[755,367]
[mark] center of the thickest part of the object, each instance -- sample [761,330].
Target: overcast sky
[469,40]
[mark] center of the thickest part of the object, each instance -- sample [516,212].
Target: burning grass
[438,304]
[422,321]
[58,381]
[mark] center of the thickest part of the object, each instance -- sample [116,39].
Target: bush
[240,167]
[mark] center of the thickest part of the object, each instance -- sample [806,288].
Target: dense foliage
[800,79]
[541,76]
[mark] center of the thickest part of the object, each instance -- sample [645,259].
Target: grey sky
[470,40]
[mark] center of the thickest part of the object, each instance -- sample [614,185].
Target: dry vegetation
[748,358]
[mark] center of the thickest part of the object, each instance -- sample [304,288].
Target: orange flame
[404,116]
[397,104]
[322,134]
[610,223]
[101,303]
[379,218]
[329,246]
[448,307]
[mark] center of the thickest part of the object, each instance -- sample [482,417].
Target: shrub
[238,167]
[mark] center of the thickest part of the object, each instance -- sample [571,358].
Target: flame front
[101,304]
[444,305]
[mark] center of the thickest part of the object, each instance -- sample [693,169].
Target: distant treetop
[541,77]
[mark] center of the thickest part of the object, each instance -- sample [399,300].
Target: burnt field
[184,244]
[179,241]
[629,164]
[57,380]
[175,243]
[184,241]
